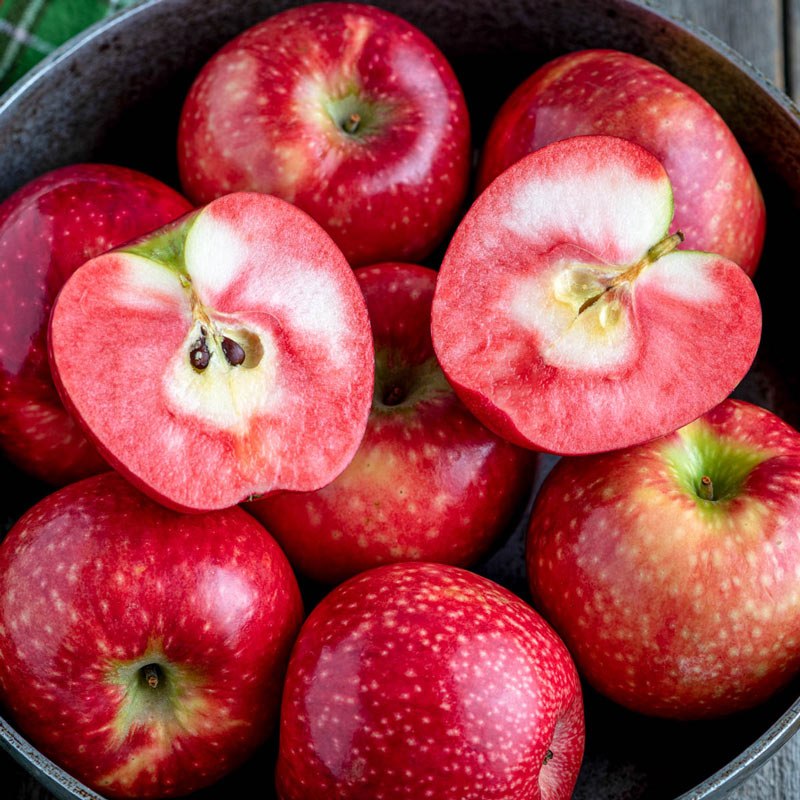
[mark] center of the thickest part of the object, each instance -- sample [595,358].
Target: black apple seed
[199,356]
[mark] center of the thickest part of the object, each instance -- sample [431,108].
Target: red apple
[718,205]
[672,569]
[565,319]
[141,649]
[429,482]
[343,109]
[226,355]
[47,230]
[425,681]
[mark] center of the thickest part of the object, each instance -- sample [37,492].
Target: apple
[672,569]
[429,482]
[427,681]
[226,355]
[564,317]
[48,228]
[718,205]
[343,109]
[141,649]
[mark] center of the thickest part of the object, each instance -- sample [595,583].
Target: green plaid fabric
[30,29]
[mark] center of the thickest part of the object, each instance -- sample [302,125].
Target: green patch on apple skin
[703,453]
[355,116]
[168,246]
[399,387]
[168,699]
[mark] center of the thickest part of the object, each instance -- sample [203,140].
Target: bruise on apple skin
[425,681]
[672,603]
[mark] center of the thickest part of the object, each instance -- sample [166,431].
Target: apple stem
[666,245]
[706,488]
[151,675]
[350,125]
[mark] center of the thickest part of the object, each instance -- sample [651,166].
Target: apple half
[566,320]
[223,356]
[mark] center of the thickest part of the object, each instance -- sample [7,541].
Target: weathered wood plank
[792,45]
[753,27]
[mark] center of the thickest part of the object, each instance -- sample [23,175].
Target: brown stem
[706,488]
[351,123]
[666,245]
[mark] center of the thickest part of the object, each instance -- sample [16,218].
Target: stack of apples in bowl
[280,373]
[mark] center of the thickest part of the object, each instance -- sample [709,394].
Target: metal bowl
[115,95]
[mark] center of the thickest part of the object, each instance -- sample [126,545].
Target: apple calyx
[151,674]
[399,384]
[548,756]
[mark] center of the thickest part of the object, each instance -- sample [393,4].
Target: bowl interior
[116,97]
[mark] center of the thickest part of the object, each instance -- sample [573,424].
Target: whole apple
[672,569]
[718,205]
[343,109]
[225,355]
[565,318]
[429,482]
[427,681]
[47,230]
[141,649]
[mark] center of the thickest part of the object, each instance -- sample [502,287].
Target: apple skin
[429,482]
[48,228]
[718,205]
[671,604]
[266,113]
[97,580]
[427,681]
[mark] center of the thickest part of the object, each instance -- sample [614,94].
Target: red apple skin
[672,605]
[718,205]
[47,230]
[428,483]
[97,575]
[256,119]
[427,681]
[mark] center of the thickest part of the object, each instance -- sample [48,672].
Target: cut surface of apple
[226,355]
[566,320]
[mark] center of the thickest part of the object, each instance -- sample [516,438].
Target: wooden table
[766,33]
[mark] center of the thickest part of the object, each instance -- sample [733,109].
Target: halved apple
[565,319]
[226,355]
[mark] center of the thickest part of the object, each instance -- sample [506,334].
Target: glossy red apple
[226,355]
[47,230]
[672,569]
[718,205]
[343,109]
[426,681]
[429,482]
[141,649]
[566,320]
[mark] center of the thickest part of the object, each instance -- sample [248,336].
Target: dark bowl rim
[726,778]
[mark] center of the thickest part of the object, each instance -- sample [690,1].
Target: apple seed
[234,352]
[199,355]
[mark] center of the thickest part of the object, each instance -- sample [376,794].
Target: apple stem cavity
[394,396]
[706,490]
[350,125]
[151,674]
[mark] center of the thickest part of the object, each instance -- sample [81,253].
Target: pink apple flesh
[428,482]
[672,569]
[47,230]
[427,681]
[225,356]
[141,649]
[565,319]
[345,110]
[718,205]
